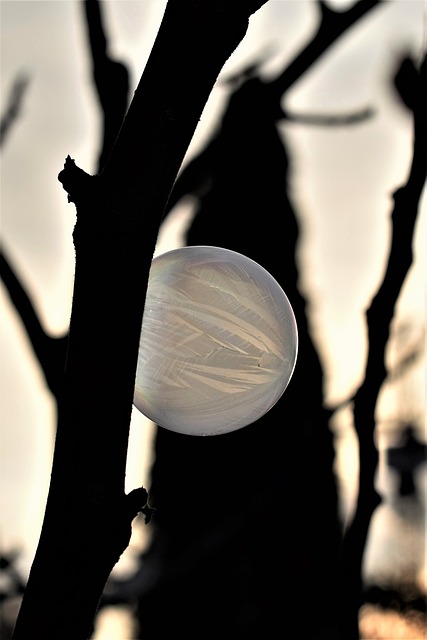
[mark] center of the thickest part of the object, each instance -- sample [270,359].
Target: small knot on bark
[77,183]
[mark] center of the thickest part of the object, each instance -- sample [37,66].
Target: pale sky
[344,240]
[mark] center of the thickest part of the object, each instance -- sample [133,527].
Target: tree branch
[87,520]
[379,317]
[111,79]
[332,25]
[49,351]
[14,107]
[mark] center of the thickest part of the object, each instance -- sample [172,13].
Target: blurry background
[342,180]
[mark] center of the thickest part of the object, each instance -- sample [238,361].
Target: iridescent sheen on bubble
[218,342]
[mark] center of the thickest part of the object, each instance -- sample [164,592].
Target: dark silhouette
[237,181]
[88,516]
[14,106]
[405,458]
[246,531]
[50,351]
[111,79]
[223,556]
[12,589]
[412,88]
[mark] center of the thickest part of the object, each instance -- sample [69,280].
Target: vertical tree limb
[111,79]
[379,317]
[14,106]
[87,522]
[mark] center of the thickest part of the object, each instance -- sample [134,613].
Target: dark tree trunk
[88,517]
[254,521]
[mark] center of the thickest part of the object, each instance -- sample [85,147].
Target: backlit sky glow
[342,182]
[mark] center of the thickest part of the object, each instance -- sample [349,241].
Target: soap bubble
[218,343]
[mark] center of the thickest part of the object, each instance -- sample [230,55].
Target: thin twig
[14,106]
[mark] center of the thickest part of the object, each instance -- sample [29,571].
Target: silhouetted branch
[330,120]
[14,107]
[241,176]
[379,317]
[332,25]
[49,351]
[87,523]
[194,179]
[111,79]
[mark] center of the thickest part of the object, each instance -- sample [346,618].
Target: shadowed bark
[241,537]
[87,523]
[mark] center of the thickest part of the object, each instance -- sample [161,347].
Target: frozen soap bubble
[218,343]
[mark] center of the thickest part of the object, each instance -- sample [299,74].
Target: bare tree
[223,525]
[88,517]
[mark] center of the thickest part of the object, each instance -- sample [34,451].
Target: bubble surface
[218,343]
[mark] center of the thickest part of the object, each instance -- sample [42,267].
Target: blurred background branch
[234,525]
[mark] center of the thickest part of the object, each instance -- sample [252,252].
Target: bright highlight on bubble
[218,343]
